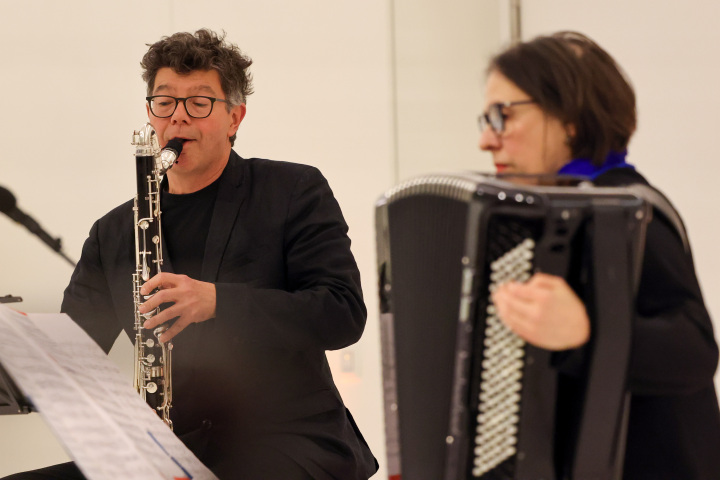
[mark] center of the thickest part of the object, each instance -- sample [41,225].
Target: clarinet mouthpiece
[169,154]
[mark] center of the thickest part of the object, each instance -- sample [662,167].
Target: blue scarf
[585,168]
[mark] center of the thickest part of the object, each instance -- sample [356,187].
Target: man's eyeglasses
[163,106]
[495,117]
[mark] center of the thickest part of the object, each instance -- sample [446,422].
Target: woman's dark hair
[573,79]
[205,50]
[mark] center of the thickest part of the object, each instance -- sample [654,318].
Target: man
[258,277]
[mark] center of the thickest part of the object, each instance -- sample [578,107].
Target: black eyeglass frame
[495,118]
[184,100]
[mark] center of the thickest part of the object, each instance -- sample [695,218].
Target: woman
[560,104]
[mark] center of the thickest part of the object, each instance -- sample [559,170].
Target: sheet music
[107,429]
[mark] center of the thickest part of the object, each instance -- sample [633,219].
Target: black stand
[10,299]
[12,401]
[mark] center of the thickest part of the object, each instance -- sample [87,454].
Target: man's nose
[180,114]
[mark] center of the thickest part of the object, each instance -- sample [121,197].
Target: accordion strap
[661,204]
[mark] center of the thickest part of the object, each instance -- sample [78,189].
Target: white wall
[370,92]
[440,57]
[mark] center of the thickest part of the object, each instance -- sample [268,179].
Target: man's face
[207,147]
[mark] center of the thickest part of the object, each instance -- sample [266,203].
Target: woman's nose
[489,140]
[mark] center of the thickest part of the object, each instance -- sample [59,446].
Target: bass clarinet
[153,363]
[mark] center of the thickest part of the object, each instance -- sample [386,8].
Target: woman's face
[532,141]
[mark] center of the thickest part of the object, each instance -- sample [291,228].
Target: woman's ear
[570,132]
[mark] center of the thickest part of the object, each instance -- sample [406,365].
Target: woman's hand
[544,312]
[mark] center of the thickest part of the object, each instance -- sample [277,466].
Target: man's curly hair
[205,50]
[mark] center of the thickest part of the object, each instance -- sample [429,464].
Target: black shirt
[185,224]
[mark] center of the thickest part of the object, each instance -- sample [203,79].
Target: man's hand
[193,302]
[544,312]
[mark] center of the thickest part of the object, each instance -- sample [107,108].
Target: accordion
[466,398]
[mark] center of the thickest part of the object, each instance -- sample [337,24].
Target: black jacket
[674,424]
[287,289]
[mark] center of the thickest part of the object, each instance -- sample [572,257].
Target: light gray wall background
[370,92]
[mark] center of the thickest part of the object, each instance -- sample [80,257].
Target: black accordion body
[465,397]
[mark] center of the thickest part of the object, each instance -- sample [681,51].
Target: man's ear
[236,114]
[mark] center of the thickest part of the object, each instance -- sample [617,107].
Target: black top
[674,424]
[182,215]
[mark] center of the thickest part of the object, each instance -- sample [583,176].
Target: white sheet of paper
[107,429]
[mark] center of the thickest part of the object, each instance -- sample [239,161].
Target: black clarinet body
[153,359]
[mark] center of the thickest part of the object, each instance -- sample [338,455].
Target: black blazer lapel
[225,213]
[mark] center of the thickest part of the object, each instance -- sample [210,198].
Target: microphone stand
[8,206]
[55,244]
[62,254]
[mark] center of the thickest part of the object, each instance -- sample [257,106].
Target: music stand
[10,299]
[12,401]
